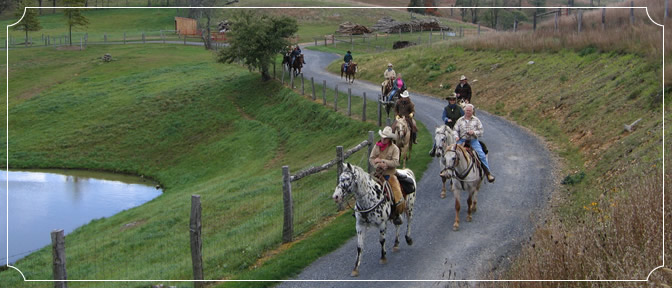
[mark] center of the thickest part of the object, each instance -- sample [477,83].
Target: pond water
[42,201]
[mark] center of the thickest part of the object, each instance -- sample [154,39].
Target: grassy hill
[196,127]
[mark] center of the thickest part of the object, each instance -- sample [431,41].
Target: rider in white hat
[385,158]
[463,90]
[406,108]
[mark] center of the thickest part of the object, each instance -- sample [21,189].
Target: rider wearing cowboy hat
[463,90]
[406,108]
[347,59]
[452,111]
[389,74]
[385,158]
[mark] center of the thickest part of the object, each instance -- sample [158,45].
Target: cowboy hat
[463,78]
[389,64]
[387,133]
[453,96]
[405,94]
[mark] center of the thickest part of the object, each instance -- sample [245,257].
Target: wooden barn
[186,26]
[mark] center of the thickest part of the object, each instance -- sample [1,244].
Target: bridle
[456,163]
[349,190]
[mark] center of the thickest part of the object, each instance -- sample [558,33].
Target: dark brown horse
[297,65]
[350,73]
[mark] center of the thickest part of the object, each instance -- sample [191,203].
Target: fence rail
[287,179]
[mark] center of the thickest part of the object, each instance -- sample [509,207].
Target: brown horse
[403,132]
[350,73]
[297,65]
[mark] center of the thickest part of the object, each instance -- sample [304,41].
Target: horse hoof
[354,273]
[456,227]
[469,218]
[383,261]
[443,194]
[409,240]
[395,249]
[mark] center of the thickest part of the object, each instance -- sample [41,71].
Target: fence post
[324,92]
[81,43]
[288,224]
[291,80]
[431,31]
[58,253]
[556,20]
[339,162]
[580,20]
[632,12]
[336,98]
[312,84]
[105,37]
[302,87]
[364,108]
[282,81]
[124,37]
[196,241]
[349,101]
[380,114]
[325,41]
[371,143]
[604,11]
[534,25]
[274,77]
[143,37]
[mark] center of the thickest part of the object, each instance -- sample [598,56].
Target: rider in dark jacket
[295,53]
[347,59]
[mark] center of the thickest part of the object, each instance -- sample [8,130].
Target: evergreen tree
[74,16]
[29,22]
[257,39]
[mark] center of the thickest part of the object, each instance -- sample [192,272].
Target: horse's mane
[362,176]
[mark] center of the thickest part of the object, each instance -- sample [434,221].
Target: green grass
[198,128]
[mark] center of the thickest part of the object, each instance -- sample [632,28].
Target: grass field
[195,126]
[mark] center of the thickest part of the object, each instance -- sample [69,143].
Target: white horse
[466,175]
[373,206]
[443,137]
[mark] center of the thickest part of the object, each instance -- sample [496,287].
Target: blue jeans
[345,67]
[476,146]
[389,96]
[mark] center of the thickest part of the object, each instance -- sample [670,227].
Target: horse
[466,175]
[287,60]
[373,206]
[350,72]
[297,65]
[402,129]
[443,137]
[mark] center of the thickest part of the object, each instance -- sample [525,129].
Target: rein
[458,175]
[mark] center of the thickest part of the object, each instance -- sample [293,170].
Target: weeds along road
[506,214]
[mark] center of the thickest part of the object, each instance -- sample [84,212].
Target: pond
[42,201]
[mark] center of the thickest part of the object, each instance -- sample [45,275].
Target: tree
[416,3]
[74,16]
[29,21]
[257,39]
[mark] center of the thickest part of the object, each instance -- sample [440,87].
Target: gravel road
[506,214]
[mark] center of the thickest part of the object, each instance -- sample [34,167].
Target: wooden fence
[287,179]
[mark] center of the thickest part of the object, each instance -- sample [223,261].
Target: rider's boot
[414,137]
[491,178]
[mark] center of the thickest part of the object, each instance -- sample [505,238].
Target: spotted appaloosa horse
[373,207]
[443,137]
[401,128]
[464,171]
[350,72]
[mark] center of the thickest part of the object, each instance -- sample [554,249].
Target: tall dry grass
[643,37]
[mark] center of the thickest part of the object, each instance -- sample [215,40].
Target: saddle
[406,182]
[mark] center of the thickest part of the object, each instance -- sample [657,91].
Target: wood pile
[402,44]
[352,28]
[389,25]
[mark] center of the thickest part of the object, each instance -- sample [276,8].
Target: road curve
[505,218]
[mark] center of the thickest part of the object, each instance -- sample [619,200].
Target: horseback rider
[385,158]
[469,128]
[295,53]
[463,90]
[397,85]
[452,111]
[347,59]
[406,108]
[389,75]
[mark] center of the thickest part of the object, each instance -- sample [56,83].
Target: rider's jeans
[479,150]
[389,96]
